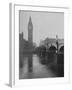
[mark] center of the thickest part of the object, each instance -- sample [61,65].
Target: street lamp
[57,53]
[57,48]
[57,43]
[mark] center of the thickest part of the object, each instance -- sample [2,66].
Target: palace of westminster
[29,45]
[26,45]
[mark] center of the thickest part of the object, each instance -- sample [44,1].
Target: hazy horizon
[45,24]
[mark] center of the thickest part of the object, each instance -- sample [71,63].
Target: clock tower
[30,31]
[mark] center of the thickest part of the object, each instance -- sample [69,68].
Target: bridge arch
[61,49]
[60,45]
[52,48]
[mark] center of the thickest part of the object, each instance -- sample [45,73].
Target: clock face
[30,27]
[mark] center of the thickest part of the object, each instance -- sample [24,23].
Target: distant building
[51,41]
[27,45]
[23,44]
[30,31]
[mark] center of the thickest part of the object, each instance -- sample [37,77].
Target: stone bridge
[55,45]
[52,42]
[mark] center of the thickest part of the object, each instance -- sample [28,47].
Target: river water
[33,68]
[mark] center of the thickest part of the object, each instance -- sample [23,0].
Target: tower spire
[30,20]
[30,30]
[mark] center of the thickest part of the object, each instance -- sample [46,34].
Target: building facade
[30,31]
[48,42]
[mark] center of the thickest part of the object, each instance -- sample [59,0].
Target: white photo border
[14,62]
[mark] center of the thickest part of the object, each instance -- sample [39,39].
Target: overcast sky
[45,24]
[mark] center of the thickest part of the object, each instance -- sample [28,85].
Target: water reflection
[30,64]
[35,66]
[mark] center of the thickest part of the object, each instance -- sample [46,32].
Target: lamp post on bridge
[57,53]
[57,43]
[57,48]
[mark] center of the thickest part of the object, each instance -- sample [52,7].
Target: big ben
[30,31]
[30,40]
